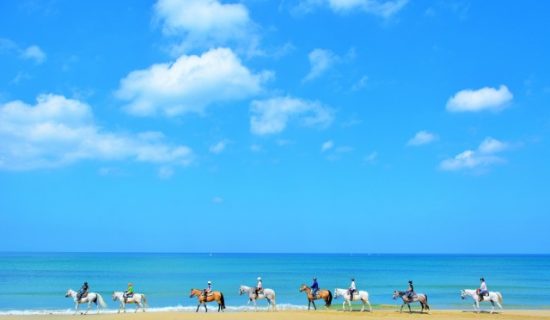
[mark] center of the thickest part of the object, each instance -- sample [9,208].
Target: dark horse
[321,294]
[202,299]
[422,298]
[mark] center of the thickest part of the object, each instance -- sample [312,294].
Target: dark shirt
[315,285]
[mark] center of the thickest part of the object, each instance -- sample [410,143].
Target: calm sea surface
[37,282]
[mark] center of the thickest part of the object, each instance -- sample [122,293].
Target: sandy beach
[305,315]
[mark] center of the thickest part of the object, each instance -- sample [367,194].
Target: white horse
[267,294]
[360,295]
[138,298]
[494,297]
[91,297]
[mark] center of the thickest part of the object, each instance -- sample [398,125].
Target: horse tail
[222,301]
[499,297]
[329,300]
[145,303]
[99,299]
[427,306]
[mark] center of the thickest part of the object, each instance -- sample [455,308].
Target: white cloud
[272,115]
[484,156]
[478,100]
[189,85]
[327,145]
[421,138]
[34,53]
[255,148]
[218,147]
[165,172]
[371,157]
[58,131]
[381,8]
[320,60]
[205,23]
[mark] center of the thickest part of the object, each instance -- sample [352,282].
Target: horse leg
[89,306]
[493,306]
[370,307]
[314,307]
[343,305]
[409,305]
[362,305]
[401,309]
[205,308]
[76,306]
[498,304]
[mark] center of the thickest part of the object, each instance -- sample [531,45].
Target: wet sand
[311,315]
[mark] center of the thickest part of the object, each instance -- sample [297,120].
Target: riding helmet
[259,278]
[482,279]
[209,282]
[410,282]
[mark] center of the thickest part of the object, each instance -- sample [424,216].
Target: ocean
[37,282]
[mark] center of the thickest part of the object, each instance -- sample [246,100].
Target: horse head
[193,293]
[303,288]
[397,294]
[462,294]
[69,293]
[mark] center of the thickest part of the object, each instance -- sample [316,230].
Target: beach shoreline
[295,314]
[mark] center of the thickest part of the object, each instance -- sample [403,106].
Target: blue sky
[275,126]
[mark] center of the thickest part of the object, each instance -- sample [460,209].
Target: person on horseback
[410,291]
[314,287]
[352,289]
[208,289]
[259,287]
[482,291]
[83,292]
[129,293]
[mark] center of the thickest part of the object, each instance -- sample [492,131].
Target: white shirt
[483,286]
[259,285]
[352,285]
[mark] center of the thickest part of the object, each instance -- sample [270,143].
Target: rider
[314,287]
[410,291]
[129,293]
[482,291]
[83,292]
[259,287]
[352,289]
[208,289]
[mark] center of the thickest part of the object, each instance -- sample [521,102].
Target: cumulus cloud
[422,138]
[190,84]
[381,8]
[479,100]
[327,145]
[484,156]
[218,147]
[34,53]
[272,115]
[205,23]
[320,60]
[58,131]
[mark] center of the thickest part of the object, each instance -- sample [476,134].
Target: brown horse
[203,299]
[321,294]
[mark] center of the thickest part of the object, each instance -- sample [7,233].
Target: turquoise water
[35,282]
